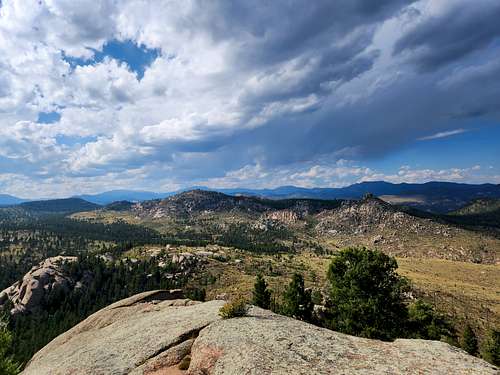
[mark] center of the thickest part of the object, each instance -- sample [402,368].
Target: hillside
[301,224]
[121,195]
[8,200]
[202,202]
[484,211]
[151,333]
[68,205]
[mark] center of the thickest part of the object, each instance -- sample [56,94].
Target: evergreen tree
[469,340]
[261,295]
[297,301]
[425,323]
[366,295]
[491,348]
[7,365]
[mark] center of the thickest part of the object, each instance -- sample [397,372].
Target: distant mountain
[438,197]
[68,205]
[8,200]
[122,195]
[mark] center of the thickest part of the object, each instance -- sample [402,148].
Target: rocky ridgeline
[27,294]
[195,202]
[372,215]
[154,333]
[366,222]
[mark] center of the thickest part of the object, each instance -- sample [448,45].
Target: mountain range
[437,197]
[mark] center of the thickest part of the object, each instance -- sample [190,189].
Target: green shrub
[491,348]
[234,308]
[469,340]
[426,323]
[196,294]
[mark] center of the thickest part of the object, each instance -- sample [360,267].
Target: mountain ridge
[433,196]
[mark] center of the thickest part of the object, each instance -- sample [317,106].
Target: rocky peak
[197,202]
[27,294]
[152,333]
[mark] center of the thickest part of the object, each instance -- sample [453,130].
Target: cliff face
[27,294]
[151,333]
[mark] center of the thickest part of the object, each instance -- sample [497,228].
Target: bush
[196,294]
[234,308]
[491,348]
[367,295]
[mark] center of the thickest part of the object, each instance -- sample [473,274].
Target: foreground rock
[151,334]
[27,294]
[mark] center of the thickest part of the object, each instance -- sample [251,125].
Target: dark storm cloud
[463,28]
[274,31]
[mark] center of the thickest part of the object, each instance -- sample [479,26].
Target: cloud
[442,134]
[231,85]
[342,173]
[447,31]
[416,175]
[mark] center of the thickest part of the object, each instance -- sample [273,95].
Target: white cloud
[445,134]
[251,89]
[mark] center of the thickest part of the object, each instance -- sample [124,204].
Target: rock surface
[27,294]
[151,334]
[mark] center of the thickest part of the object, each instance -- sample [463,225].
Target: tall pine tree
[297,301]
[261,295]
[366,295]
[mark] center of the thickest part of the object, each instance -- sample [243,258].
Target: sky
[162,95]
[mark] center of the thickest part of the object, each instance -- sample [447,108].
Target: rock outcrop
[27,294]
[152,334]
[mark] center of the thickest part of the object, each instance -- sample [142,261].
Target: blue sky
[479,146]
[102,95]
[137,57]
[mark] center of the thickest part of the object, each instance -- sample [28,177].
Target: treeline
[100,284]
[246,237]
[61,225]
[368,298]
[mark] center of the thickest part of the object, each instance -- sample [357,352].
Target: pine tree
[261,295]
[7,365]
[366,295]
[491,348]
[297,301]
[469,340]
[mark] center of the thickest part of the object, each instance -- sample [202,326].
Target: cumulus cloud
[234,88]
